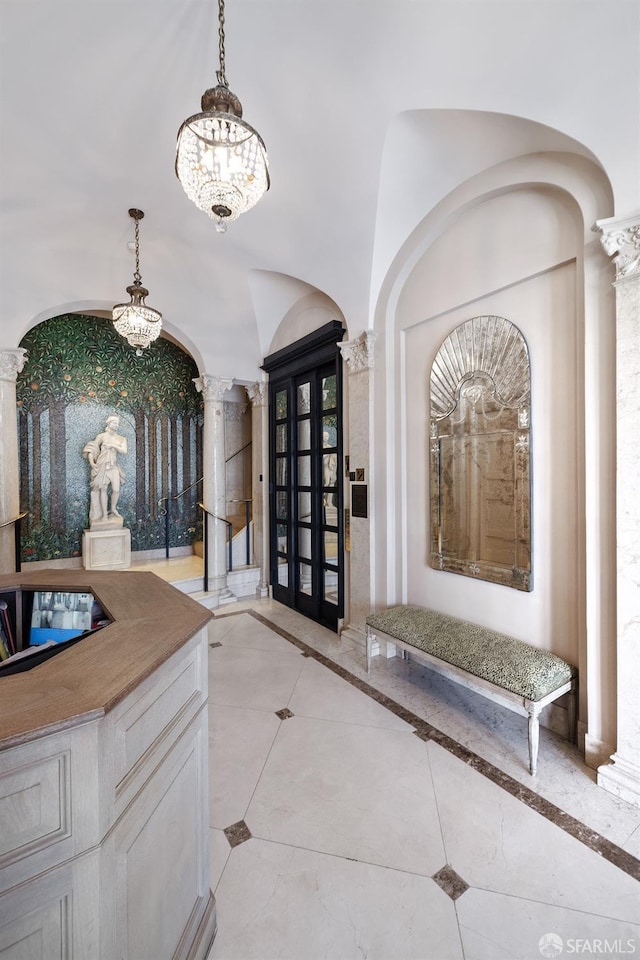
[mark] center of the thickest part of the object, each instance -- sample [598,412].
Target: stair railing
[166,512]
[205,543]
[16,521]
[247,514]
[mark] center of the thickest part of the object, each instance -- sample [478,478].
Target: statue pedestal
[106,549]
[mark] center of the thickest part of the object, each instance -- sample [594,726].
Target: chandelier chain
[137,277]
[221,72]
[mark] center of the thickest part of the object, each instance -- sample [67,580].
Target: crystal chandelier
[221,161]
[136,321]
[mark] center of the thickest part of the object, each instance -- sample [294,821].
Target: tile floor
[337,833]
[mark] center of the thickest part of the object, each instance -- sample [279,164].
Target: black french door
[305,483]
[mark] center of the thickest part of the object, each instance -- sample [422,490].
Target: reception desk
[104,833]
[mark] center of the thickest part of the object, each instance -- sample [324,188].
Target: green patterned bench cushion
[511,664]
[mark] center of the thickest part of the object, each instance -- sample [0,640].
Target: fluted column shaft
[11,363]
[621,240]
[214,488]
[257,394]
[359,358]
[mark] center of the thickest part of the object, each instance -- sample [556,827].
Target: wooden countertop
[152,620]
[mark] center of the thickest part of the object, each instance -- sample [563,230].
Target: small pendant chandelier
[136,321]
[221,161]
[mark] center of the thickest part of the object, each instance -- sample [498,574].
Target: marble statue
[102,454]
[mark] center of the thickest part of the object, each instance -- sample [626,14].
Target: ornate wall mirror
[480,390]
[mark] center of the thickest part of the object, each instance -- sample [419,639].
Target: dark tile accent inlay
[284,714]
[449,881]
[216,643]
[237,833]
[425,731]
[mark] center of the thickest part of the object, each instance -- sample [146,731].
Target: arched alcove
[79,371]
[513,239]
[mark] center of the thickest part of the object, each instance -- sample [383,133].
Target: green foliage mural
[78,371]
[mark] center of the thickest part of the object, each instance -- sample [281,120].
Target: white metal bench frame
[512,701]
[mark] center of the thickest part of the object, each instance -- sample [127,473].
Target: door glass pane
[281,472]
[281,534]
[304,542]
[329,469]
[304,398]
[331,586]
[281,438]
[329,392]
[281,405]
[304,506]
[329,434]
[305,578]
[330,546]
[282,572]
[330,509]
[304,434]
[282,504]
[304,471]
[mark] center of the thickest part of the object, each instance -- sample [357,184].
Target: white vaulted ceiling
[372,111]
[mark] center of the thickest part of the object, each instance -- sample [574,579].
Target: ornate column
[11,364]
[359,358]
[214,493]
[621,240]
[257,394]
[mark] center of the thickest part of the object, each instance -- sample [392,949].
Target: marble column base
[350,632]
[226,597]
[219,591]
[596,752]
[622,778]
[106,549]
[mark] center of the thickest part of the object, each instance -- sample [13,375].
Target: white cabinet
[104,828]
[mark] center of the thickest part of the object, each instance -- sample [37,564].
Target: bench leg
[572,716]
[534,735]
[369,638]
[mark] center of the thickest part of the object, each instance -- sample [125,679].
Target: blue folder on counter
[38,635]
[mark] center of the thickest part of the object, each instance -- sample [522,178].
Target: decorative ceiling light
[221,161]
[136,321]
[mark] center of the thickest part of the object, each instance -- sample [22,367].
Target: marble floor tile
[256,679]
[496,842]
[218,629]
[239,743]
[275,901]
[355,791]
[632,843]
[494,733]
[496,926]
[351,814]
[247,632]
[321,694]
[219,851]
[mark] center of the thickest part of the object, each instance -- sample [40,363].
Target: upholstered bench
[508,671]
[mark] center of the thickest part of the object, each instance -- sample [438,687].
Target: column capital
[11,363]
[358,353]
[257,393]
[621,241]
[212,388]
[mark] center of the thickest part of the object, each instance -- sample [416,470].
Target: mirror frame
[484,360]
